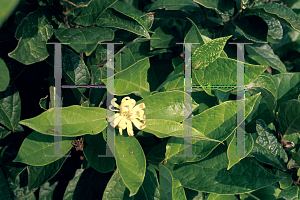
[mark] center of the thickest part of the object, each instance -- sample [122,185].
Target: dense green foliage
[149,68]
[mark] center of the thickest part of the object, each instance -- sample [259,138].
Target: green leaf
[296,156]
[266,86]
[75,72]
[289,118]
[38,175]
[36,146]
[208,53]
[210,174]
[216,123]
[72,185]
[253,28]
[285,183]
[163,38]
[274,27]
[134,17]
[186,5]
[270,192]
[91,185]
[157,153]
[266,53]
[126,7]
[133,53]
[280,12]
[223,71]
[166,105]
[116,189]
[220,197]
[96,146]
[130,161]
[170,187]
[89,15]
[76,121]
[290,193]
[232,149]
[204,100]
[194,195]
[148,19]
[194,36]
[83,40]
[18,190]
[46,191]
[175,80]
[4,76]
[7,7]
[267,149]
[115,19]
[222,7]
[10,107]
[33,33]
[287,85]
[4,192]
[133,78]
[149,188]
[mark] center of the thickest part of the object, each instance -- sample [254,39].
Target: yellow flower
[128,114]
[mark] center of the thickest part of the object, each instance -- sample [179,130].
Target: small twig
[75,6]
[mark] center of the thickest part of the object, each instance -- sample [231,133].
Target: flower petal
[139,107]
[110,119]
[113,102]
[138,124]
[127,102]
[123,123]
[111,108]
[139,114]
[129,128]
[116,121]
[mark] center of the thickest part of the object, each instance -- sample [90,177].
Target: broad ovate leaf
[128,22]
[132,79]
[131,162]
[84,40]
[33,33]
[37,149]
[267,149]
[96,146]
[208,52]
[233,158]
[266,53]
[76,121]
[6,9]
[170,187]
[116,189]
[4,76]
[289,117]
[216,123]
[211,174]
[280,12]
[223,72]
[10,107]
[89,15]
[38,175]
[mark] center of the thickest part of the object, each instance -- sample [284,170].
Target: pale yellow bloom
[128,114]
